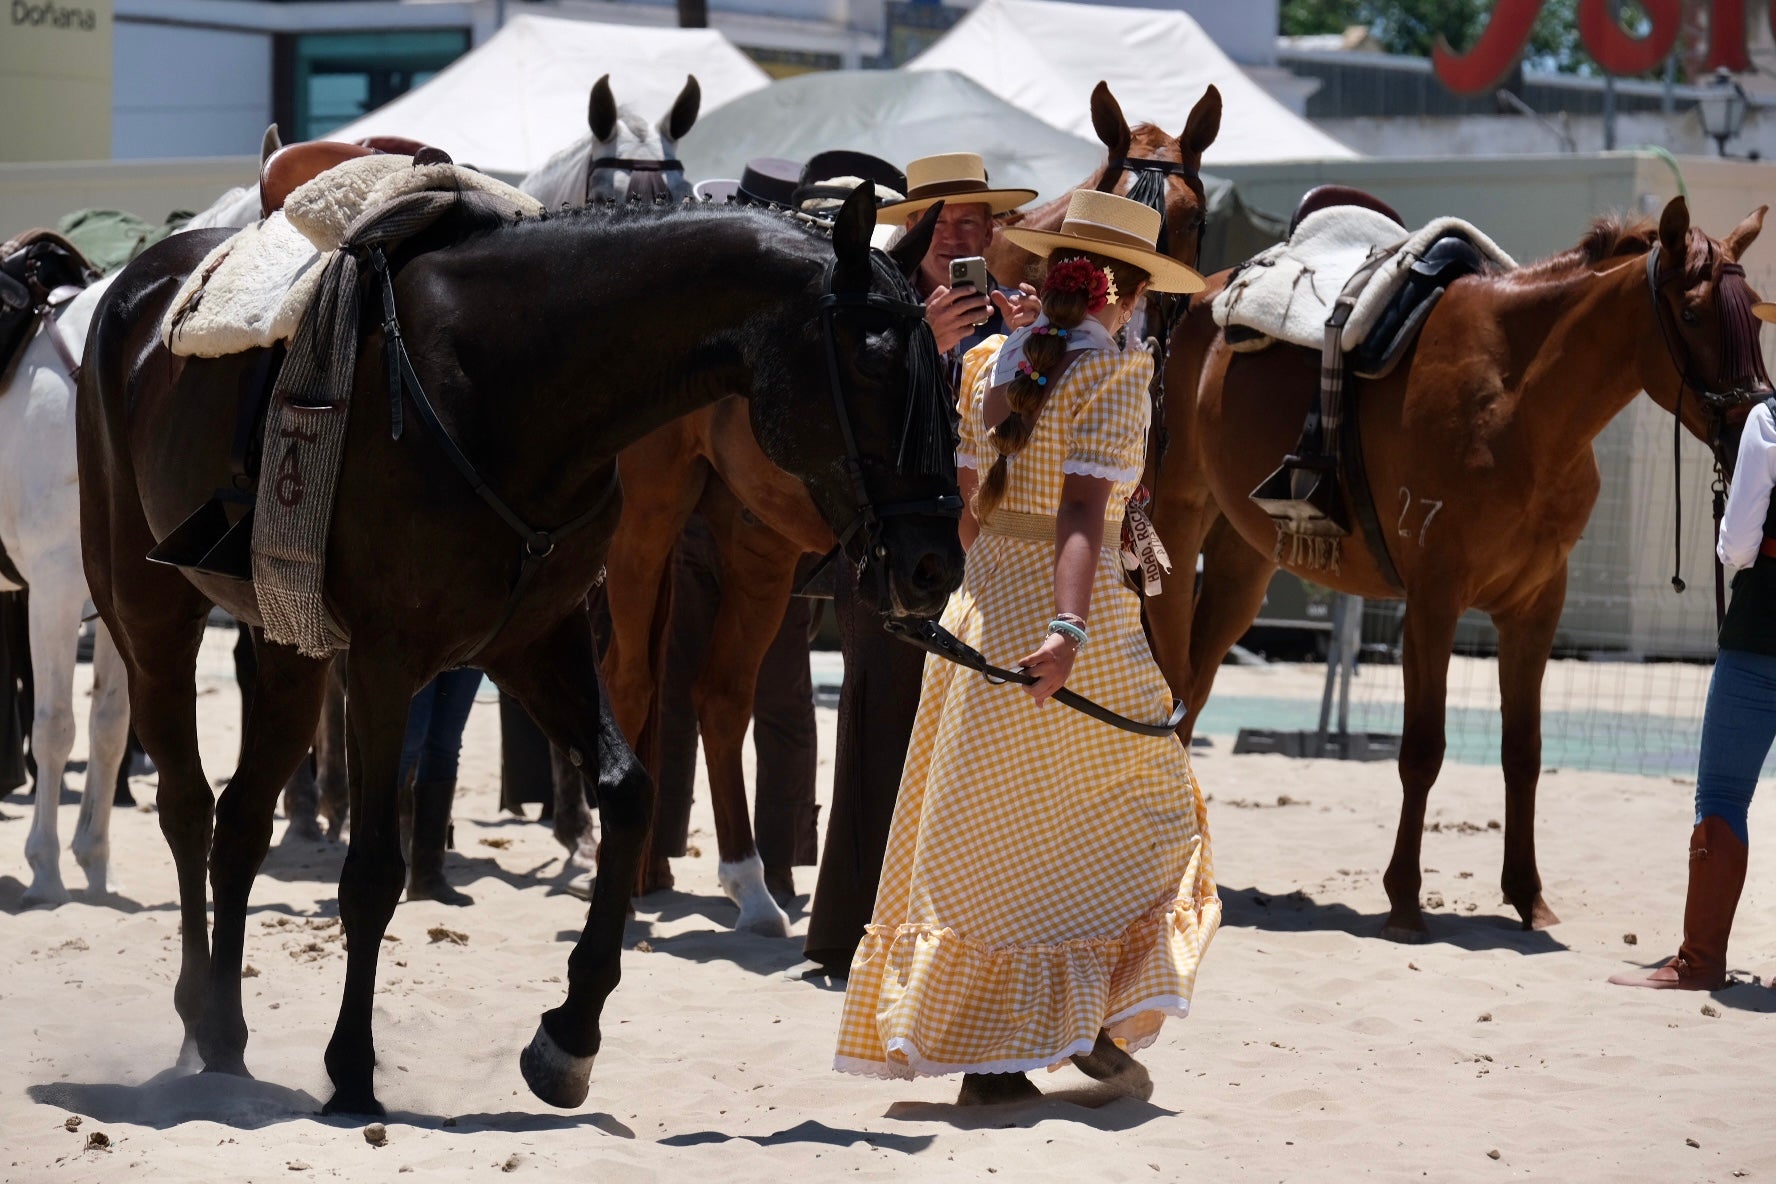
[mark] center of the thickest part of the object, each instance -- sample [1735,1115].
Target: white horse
[625,157]
[40,533]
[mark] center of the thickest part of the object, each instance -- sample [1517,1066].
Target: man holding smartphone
[881,690]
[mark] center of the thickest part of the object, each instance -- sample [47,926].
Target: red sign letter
[1483,67]
[1618,52]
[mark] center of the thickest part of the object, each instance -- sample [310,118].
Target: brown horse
[433,561]
[1478,451]
[765,523]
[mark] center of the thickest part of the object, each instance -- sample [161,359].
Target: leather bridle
[1165,309]
[1716,405]
[628,165]
[868,516]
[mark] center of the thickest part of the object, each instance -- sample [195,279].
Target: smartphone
[971,271]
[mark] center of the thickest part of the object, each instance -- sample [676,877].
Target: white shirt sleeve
[1742,528]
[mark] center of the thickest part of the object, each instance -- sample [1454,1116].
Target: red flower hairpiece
[1083,277]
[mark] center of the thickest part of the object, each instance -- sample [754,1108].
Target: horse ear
[851,240]
[1674,230]
[1108,121]
[1203,125]
[1743,235]
[684,109]
[909,252]
[269,143]
[601,112]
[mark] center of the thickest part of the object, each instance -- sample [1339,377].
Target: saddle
[40,270]
[1353,284]
[294,165]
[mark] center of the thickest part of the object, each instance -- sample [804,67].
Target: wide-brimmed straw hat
[952,177]
[1765,310]
[1115,228]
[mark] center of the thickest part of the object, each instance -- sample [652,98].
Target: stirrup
[1303,496]
[208,543]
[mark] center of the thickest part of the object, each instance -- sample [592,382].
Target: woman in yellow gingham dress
[1047,891]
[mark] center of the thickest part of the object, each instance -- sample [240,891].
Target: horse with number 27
[1477,447]
[500,321]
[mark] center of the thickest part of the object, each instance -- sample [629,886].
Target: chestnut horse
[427,571]
[1478,451]
[764,523]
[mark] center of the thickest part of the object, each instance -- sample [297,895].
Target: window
[326,80]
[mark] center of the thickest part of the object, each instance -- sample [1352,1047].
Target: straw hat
[952,177]
[1765,310]
[1115,228]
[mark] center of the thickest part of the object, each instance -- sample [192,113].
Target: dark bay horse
[503,322]
[1478,451]
[765,522]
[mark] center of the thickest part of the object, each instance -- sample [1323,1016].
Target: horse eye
[1689,316]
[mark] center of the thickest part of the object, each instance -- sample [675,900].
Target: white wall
[181,91]
[1515,135]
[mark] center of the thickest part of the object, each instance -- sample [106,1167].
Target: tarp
[508,105]
[894,115]
[1045,57]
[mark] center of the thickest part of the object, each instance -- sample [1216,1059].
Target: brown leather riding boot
[431,832]
[1717,873]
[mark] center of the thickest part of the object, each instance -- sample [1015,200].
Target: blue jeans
[435,725]
[1738,726]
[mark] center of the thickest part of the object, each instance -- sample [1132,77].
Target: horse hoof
[46,891]
[306,830]
[1539,916]
[1406,935]
[555,1076]
[229,1064]
[354,1102]
[765,924]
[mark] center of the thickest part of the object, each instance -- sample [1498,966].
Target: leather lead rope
[935,639]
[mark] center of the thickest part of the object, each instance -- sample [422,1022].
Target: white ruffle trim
[967,460]
[918,1066]
[1086,468]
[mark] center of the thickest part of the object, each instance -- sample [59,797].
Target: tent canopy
[1044,57]
[892,114]
[511,103]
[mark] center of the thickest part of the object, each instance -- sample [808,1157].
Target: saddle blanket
[1289,290]
[252,290]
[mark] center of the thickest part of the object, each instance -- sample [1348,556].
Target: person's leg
[783,736]
[435,752]
[1738,726]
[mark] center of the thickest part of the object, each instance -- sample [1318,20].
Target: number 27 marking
[1430,506]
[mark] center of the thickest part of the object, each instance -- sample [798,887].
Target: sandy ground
[1316,1051]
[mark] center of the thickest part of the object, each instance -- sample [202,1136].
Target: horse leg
[378,694]
[54,628]
[758,570]
[107,739]
[1526,638]
[286,699]
[302,792]
[1429,640]
[1236,577]
[329,753]
[557,682]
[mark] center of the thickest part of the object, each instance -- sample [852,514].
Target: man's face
[962,230]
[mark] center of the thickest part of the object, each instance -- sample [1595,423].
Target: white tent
[1044,57]
[509,104]
[894,115]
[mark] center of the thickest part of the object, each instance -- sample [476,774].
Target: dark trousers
[783,737]
[16,702]
[876,709]
[435,724]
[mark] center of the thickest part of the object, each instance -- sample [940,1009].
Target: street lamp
[1722,106]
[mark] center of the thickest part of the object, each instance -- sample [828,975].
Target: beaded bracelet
[1068,630]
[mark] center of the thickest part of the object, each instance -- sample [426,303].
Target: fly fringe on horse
[1308,551]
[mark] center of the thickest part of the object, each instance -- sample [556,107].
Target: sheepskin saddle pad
[1288,291]
[251,291]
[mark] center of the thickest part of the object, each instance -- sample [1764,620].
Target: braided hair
[1075,284]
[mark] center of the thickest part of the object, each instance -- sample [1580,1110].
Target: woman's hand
[1019,308]
[1051,664]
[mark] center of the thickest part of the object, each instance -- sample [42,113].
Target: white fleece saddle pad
[251,291]
[1289,290]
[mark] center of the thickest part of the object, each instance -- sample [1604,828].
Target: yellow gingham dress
[1047,875]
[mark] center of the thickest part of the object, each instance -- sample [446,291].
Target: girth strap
[538,544]
[933,638]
